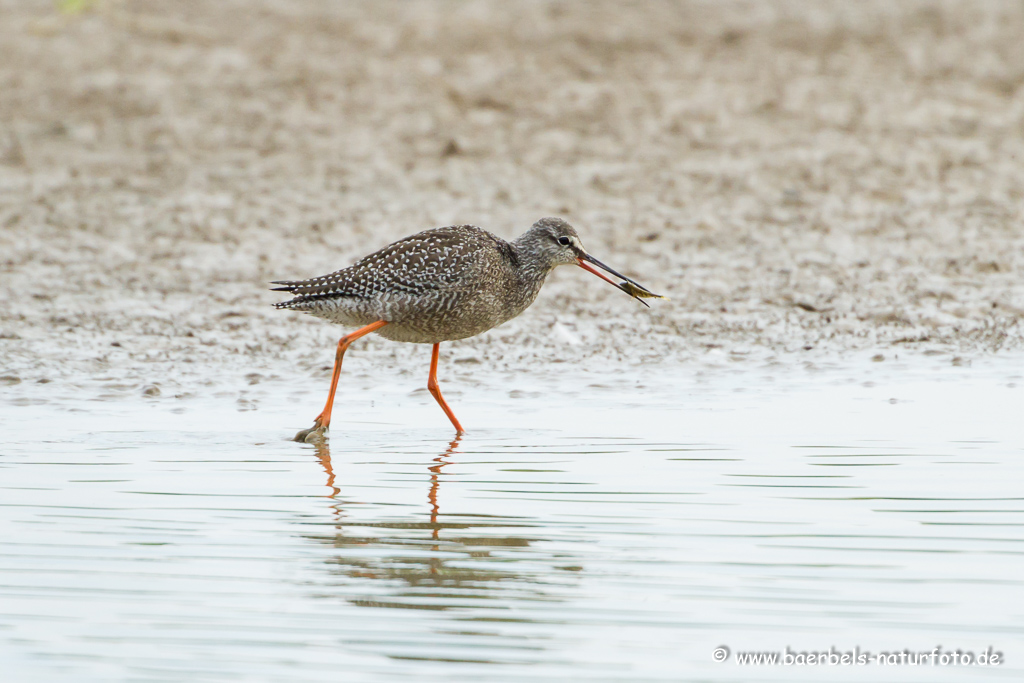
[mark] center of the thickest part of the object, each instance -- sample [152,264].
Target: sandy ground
[803,179]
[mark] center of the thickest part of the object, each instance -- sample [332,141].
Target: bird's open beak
[631,287]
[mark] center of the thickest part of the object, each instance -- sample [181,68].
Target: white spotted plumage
[438,285]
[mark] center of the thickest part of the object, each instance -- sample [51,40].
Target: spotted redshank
[441,285]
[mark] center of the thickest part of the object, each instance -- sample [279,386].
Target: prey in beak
[631,287]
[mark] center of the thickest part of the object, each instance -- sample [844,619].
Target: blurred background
[813,444]
[797,176]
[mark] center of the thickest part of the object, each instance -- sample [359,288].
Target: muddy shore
[821,178]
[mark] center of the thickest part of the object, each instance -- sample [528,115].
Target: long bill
[629,286]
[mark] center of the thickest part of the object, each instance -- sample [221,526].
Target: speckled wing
[428,262]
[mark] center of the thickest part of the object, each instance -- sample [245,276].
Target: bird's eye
[564,241]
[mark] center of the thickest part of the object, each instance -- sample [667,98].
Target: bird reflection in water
[323,454]
[446,569]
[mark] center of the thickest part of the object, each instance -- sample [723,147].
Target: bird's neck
[529,261]
[530,269]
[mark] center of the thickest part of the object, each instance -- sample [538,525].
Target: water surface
[586,528]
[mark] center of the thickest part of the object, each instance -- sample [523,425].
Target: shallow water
[586,528]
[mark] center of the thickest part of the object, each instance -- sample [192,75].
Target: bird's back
[437,285]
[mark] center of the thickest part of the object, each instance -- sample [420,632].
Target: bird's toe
[315,434]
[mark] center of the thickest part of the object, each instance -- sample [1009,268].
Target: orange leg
[434,389]
[323,420]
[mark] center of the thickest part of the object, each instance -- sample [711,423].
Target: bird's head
[555,243]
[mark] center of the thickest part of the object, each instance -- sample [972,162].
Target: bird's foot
[315,434]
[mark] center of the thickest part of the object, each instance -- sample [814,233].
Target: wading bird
[441,285]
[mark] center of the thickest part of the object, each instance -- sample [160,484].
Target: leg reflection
[323,454]
[435,472]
